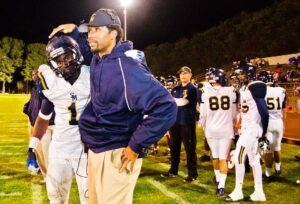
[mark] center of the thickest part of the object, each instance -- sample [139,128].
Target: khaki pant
[42,151]
[105,183]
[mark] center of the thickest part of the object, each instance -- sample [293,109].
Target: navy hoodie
[123,91]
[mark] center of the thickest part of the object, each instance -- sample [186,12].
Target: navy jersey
[34,106]
[186,114]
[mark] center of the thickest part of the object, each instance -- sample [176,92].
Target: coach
[112,125]
[184,130]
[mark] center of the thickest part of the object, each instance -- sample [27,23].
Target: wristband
[34,141]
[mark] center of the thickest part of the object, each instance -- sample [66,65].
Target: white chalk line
[197,183]
[165,191]
[13,194]
[36,194]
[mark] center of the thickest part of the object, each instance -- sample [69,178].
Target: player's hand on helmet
[65,28]
[31,163]
[128,157]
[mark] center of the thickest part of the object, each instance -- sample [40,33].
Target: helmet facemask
[64,57]
[65,65]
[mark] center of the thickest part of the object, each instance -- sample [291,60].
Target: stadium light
[125,4]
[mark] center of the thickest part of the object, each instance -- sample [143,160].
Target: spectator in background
[294,62]
[279,68]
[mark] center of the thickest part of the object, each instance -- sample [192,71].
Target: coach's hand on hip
[128,155]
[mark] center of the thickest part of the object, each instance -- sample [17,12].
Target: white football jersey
[275,98]
[69,102]
[250,114]
[218,109]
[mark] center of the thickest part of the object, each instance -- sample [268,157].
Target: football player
[155,146]
[276,100]
[255,118]
[66,90]
[217,110]
[202,87]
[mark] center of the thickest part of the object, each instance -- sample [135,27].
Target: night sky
[149,21]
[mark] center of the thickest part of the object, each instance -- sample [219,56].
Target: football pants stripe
[241,154]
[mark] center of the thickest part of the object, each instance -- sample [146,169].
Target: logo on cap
[92,18]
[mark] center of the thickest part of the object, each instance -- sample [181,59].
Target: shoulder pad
[258,89]
[43,68]
[137,55]
[46,77]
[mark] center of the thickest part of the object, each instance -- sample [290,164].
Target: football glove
[263,144]
[31,163]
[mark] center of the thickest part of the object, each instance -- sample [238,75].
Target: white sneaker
[236,195]
[257,196]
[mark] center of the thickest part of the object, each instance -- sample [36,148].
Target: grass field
[17,186]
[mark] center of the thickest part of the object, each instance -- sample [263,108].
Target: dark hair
[119,32]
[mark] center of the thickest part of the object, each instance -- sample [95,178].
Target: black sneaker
[168,175]
[189,179]
[204,158]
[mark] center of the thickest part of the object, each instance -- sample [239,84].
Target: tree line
[16,58]
[272,31]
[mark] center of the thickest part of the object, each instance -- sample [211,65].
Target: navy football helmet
[64,56]
[245,73]
[161,79]
[216,75]
[266,76]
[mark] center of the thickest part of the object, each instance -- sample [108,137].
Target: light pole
[125,4]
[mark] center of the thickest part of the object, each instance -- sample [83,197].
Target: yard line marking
[11,153]
[36,193]
[14,194]
[5,177]
[12,163]
[13,140]
[12,146]
[197,183]
[165,191]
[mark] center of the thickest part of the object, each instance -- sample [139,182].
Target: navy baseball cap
[105,17]
[184,69]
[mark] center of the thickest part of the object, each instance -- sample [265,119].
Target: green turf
[17,185]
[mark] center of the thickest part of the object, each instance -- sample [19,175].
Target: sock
[277,166]
[257,173]
[258,188]
[222,180]
[268,171]
[239,176]
[217,173]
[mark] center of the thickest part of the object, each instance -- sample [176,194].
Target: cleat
[256,197]
[189,179]
[268,179]
[277,172]
[235,196]
[204,158]
[297,157]
[168,175]
[220,191]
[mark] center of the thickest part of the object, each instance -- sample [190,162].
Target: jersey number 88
[216,103]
